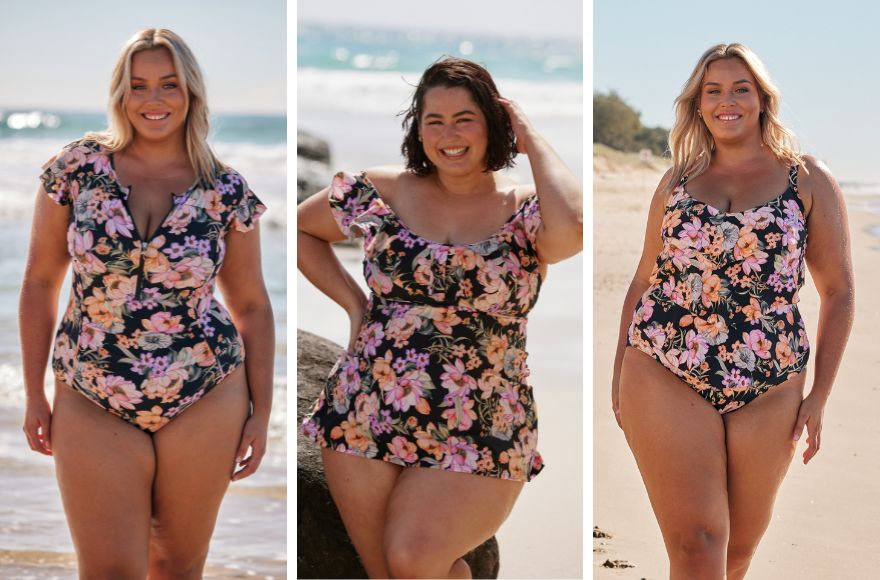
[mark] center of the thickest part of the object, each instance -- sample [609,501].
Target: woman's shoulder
[387,180]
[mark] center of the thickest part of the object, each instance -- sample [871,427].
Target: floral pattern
[143,335]
[721,311]
[437,375]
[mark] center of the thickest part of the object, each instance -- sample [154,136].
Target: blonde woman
[155,403]
[711,362]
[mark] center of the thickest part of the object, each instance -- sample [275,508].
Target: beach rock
[617,564]
[313,171]
[323,548]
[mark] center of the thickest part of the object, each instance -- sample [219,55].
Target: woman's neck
[463,185]
[157,153]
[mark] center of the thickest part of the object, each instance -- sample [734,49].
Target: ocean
[250,538]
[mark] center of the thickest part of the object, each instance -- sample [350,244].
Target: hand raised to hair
[522,128]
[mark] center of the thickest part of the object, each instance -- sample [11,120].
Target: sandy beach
[827,518]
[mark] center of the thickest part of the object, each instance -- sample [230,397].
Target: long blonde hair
[690,142]
[120,133]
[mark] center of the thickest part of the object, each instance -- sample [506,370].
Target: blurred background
[55,76]
[357,66]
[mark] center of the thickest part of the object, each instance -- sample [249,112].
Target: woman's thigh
[360,489]
[759,451]
[195,459]
[435,517]
[678,441]
[105,470]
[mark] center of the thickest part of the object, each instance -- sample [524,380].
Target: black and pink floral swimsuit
[721,312]
[143,335]
[437,375]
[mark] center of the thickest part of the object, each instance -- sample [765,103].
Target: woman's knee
[697,543]
[174,562]
[416,556]
[739,555]
[119,568]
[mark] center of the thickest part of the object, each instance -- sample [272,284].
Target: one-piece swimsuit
[143,335]
[437,375]
[721,311]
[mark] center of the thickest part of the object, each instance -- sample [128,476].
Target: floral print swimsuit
[437,375]
[721,312]
[143,335]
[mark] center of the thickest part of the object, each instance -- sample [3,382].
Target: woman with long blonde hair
[711,362]
[156,407]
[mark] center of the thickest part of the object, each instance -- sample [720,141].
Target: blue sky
[59,55]
[822,55]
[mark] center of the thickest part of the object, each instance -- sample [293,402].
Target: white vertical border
[292,425]
[587,357]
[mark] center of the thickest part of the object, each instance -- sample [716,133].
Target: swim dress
[721,312]
[143,335]
[437,375]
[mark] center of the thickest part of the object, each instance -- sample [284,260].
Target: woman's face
[156,106]
[453,130]
[730,101]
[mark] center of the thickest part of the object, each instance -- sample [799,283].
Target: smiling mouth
[155,116]
[454,153]
[727,117]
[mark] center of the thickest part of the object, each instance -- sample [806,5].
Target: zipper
[139,272]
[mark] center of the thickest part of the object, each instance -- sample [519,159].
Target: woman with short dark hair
[433,382]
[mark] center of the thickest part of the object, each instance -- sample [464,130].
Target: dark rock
[323,548]
[313,171]
[617,564]
[597,533]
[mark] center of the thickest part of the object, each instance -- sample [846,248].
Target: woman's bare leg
[759,451]
[360,489]
[678,441]
[105,470]
[195,458]
[436,517]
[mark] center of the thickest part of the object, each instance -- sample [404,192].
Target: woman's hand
[37,420]
[253,436]
[810,415]
[522,128]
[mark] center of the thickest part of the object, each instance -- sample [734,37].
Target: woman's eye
[169,86]
[464,120]
[742,90]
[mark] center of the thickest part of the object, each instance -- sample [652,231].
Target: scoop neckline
[403,225]
[745,211]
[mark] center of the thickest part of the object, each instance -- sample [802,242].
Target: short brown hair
[459,72]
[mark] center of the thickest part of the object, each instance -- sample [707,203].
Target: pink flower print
[91,337]
[166,385]
[645,311]
[377,280]
[697,347]
[757,341]
[213,206]
[403,449]
[163,322]
[181,217]
[656,335]
[372,337]
[119,392]
[406,391]
[694,233]
[456,380]
[459,456]
[187,273]
[117,220]
[341,184]
[759,218]
[680,253]
[100,162]
[423,273]
[461,415]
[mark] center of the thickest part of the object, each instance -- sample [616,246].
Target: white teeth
[454,152]
[728,117]
[155,117]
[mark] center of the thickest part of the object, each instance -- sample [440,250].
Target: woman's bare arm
[244,292]
[560,194]
[830,262]
[640,282]
[45,268]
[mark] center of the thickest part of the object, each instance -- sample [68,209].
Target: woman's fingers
[249,465]
[800,424]
[813,441]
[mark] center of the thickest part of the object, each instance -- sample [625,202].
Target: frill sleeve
[247,209]
[355,204]
[59,173]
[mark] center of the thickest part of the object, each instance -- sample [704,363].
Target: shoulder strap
[792,176]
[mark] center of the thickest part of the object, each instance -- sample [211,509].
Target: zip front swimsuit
[721,312]
[143,335]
